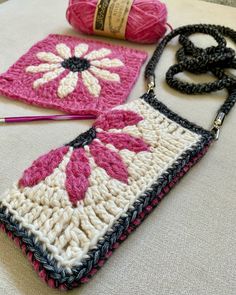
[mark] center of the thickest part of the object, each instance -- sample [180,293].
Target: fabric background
[224,2]
[187,245]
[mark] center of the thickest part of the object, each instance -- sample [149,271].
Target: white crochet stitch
[68,232]
[53,67]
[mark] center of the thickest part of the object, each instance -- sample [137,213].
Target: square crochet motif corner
[73,75]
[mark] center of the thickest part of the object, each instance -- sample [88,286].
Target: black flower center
[76,64]
[83,139]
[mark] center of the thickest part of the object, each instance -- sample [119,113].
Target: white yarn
[52,68]
[69,233]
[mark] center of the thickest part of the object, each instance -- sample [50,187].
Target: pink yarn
[110,161]
[117,119]
[146,21]
[77,174]
[123,141]
[43,167]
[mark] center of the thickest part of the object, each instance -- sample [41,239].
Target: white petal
[42,68]
[98,53]
[104,74]
[63,50]
[49,57]
[48,77]
[81,49]
[91,83]
[67,84]
[107,63]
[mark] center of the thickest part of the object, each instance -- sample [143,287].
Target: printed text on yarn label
[111,17]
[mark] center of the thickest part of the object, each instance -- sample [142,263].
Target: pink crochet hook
[45,118]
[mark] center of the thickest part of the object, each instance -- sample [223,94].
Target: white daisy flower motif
[88,66]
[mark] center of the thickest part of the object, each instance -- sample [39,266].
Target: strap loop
[214,59]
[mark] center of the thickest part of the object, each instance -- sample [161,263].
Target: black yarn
[76,64]
[83,139]
[214,59]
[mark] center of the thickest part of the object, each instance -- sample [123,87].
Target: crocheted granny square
[75,205]
[73,75]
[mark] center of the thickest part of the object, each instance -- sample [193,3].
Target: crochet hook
[46,118]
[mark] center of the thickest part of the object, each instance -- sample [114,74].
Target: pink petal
[117,119]
[109,161]
[43,167]
[77,174]
[123,141]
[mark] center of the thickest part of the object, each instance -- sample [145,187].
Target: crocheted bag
[74,206]
[73,75]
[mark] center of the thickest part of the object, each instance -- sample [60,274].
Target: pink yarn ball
[146,21]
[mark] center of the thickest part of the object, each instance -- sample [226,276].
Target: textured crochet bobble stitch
[77,203]
[73,75]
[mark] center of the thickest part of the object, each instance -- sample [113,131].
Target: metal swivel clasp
[217,124]
[151,84]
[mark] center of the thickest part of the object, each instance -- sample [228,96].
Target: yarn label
[111,18]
